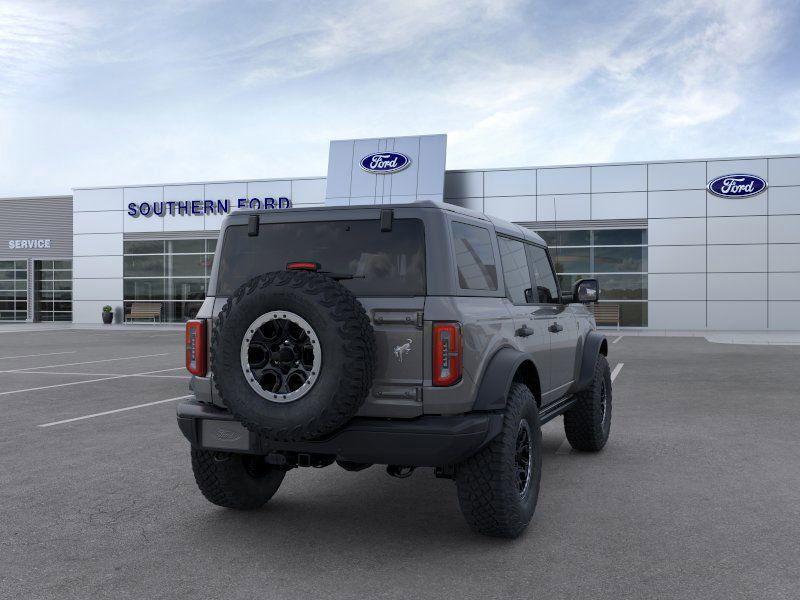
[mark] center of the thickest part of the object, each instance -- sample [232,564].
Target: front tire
[588,423]
[238,481]
[498,487]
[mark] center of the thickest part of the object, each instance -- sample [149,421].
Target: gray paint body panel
[403,386]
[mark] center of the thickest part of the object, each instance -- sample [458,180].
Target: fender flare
[497,379]
[595,344]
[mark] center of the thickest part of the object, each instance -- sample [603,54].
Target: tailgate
[401,350]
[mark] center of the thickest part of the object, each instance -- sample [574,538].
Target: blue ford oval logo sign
[737,186]
[384,163]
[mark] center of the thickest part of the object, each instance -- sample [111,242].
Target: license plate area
[224,435]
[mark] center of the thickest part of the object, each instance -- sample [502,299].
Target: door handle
[523,331]
[555,328]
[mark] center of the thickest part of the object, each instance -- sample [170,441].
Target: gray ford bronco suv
[414,335]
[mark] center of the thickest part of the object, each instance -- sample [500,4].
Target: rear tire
[493,498]
[238,481]
[588,423]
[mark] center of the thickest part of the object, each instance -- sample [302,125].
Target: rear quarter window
[390,263]
[474,257]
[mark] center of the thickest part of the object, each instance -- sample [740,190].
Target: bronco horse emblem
[401,350]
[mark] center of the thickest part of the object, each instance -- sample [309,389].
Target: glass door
[53,290]
[13,290]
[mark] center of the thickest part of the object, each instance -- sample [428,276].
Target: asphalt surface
[695,496]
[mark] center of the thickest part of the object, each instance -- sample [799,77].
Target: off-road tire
[348,354]
[237,481]
[587,424]
[488,492]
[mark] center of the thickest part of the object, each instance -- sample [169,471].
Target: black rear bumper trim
[431,441]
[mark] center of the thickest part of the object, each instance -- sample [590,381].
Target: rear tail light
[446,353]
[196,347]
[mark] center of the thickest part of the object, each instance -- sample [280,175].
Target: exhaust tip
[400,471]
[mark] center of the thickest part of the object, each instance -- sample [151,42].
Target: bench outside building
[606,314]
[144,310]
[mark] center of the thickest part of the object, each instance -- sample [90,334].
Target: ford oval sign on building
[385,163]
[737,186]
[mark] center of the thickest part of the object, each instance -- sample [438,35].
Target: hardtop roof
[500,225]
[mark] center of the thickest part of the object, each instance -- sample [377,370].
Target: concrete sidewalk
[23,327]
[782,338]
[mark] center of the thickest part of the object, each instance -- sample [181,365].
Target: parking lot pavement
[695,495]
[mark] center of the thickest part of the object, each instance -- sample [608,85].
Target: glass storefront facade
[174,273]
[13,290]
[616,257]
[53,290]
[171,273]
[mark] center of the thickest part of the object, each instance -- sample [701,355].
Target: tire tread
[489,502]
[583,422]
[224,482]
[358,347]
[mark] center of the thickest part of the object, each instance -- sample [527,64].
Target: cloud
[99,93]
[34,40]
[659,69]
[347,33]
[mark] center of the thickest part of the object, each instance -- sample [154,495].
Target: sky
[111,92]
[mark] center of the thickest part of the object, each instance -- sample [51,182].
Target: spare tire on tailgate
[293,355]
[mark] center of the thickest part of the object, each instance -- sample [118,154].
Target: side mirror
[586,290]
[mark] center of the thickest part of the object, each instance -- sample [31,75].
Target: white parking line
[47,387]
[616,340]
[111,412]
[616,371]
[108,374]
[565,448]
[35,355]
[86,362]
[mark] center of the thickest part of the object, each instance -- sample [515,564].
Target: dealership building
[682,244]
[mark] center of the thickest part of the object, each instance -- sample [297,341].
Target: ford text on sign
[203,207]
[737,186]
[384,163]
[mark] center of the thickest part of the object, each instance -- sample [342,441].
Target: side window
[515,270]
[474,257]
[539,263]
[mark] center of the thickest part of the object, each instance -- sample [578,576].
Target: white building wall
[100,222]
[713,263]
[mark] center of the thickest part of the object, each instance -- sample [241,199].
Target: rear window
[390,263]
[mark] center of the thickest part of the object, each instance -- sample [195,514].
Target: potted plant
[108,315]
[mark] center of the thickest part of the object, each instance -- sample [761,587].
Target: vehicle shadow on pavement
[359,507]
[329,505]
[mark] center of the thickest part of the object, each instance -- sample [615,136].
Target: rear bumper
[431,441]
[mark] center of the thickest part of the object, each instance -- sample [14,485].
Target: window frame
[534,280]
[502,268]
[216,265]
[642,304]
[498,291]
[166,279]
